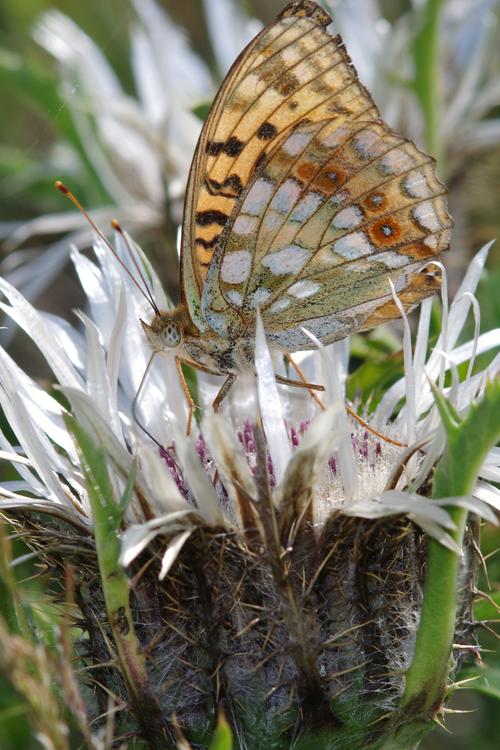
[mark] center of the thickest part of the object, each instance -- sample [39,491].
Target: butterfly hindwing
[331,216]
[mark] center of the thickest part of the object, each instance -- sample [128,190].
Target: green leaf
[489,299]
[129,489]
[485,609]
[487,680]
[448,414]
[223,737]
[468,443]
[192,384]
[376,344]
[39,88]
[11,607]
[33,82]
[373,378]
[106,515]
[202,110]
[94,463]
[427,64]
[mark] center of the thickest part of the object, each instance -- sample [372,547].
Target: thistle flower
[275,554]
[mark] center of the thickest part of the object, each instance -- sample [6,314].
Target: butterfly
[301,204]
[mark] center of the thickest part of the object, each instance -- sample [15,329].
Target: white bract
[196,479]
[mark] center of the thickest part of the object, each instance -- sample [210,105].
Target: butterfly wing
[330,207]
[291,72]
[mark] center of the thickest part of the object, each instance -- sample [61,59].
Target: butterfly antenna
[118,228]
[136,401]
[67,192]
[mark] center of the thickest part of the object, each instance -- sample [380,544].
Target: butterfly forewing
[302,201]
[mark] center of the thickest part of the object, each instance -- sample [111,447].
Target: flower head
[277,514]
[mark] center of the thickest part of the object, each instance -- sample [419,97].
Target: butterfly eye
[172,334]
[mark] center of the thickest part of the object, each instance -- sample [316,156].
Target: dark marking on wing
[259,161]
[205,218]
[267,131]
[207,244]
[214,148]
[309,9]
[233,182]
[232,147]
[286,84]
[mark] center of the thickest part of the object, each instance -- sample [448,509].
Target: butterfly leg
[299,383]
[226,387]
[371,429]
[349,408]
[302,383]
[179,361]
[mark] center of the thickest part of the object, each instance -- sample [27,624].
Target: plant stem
[426,679]
[467,446]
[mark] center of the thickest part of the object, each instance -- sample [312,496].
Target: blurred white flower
[469,68]
[230,30]
[139,146]
[349,468]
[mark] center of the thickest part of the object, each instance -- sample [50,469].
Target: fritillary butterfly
[301,203]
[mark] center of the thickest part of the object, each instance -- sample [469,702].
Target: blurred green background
[39,143]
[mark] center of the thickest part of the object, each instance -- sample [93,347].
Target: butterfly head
[165,331]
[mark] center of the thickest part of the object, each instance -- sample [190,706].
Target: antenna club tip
[61,186]
[115,224]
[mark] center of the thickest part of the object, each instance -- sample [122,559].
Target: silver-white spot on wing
[348,218]
[353,246]
[303,288]
[258,196]
[286,196]
[289,260]
[426,216]
[236,267]
[307,206]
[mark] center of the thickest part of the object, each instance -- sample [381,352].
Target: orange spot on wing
[420,251]
[306,170]
[330,179]
[419,286]
[385,232]
[375,201]
[204,256]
